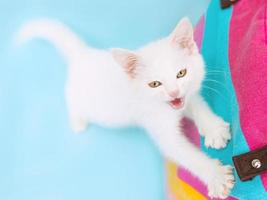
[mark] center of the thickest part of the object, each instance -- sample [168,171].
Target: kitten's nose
[174,93]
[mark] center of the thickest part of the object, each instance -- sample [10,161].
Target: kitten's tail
[61,36]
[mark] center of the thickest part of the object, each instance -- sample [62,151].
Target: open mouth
[177,103]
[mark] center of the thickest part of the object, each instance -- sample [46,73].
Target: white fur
[111,88]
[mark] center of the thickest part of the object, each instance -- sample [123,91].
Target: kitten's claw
[222,181]
[218,135]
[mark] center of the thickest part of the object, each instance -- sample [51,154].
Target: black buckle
[227,3]
[251,164]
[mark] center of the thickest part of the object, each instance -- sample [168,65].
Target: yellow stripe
[180,189]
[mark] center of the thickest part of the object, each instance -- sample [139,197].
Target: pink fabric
[189,127]
[192,134]
[199,31]
[248,64]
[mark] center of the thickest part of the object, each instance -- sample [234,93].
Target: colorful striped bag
[234,44]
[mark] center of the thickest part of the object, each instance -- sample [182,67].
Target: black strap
[227,3]
[251,164]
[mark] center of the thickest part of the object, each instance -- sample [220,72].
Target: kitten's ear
[127,59]
[183,36]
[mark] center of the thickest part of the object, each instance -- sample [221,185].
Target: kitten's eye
[155,84]
[181,73]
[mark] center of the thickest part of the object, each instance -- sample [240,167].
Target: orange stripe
[180,189]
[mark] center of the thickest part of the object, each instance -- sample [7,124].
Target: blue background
[41,159]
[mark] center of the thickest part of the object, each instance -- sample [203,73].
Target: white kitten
[153,87]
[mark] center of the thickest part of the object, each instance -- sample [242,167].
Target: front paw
[217,135]
[221,182]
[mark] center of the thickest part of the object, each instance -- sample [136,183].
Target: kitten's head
[169,70]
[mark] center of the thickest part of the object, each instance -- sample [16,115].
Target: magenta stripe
[192,133]
[265,24]
[248,64]
[189,127]
[199,31]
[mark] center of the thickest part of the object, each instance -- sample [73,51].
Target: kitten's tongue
[177,103]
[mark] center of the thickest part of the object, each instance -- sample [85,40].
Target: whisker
[224,73]
[205,86]
[212,80]
[216,71]
[216,67]
[215,91]
[218,82]
[210,72]
[217,74]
